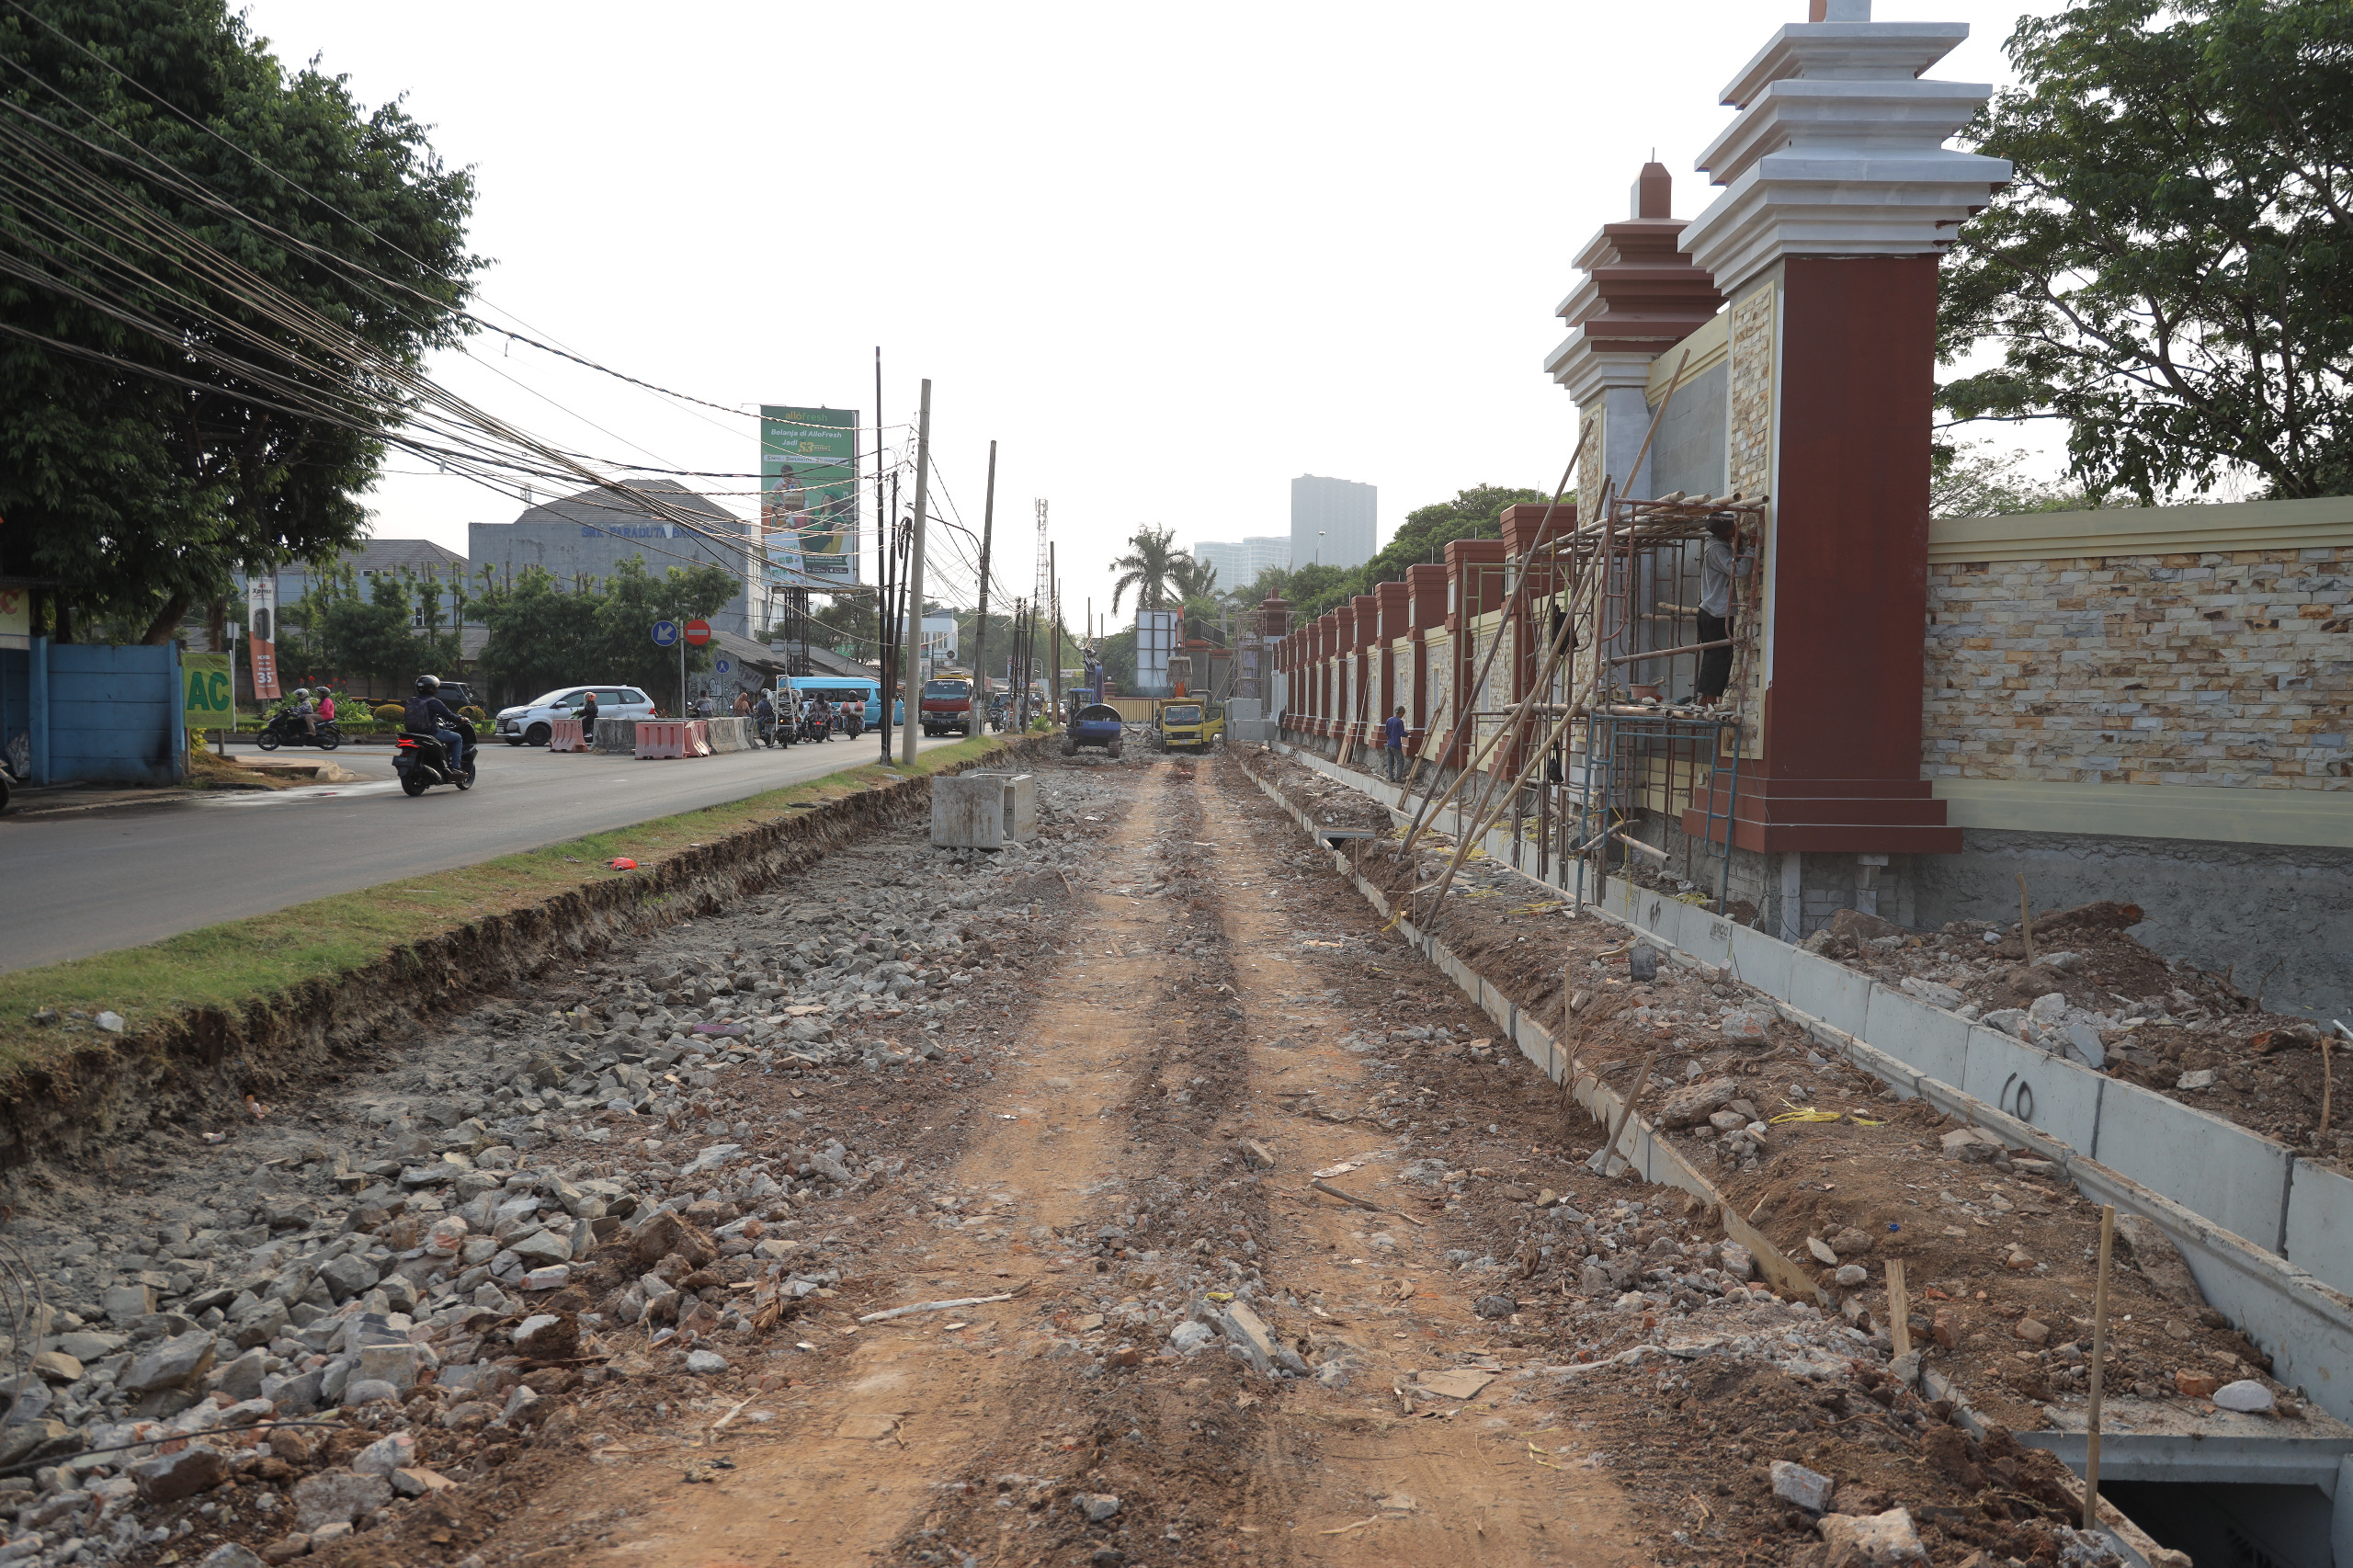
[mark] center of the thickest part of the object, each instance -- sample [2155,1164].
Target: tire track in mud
[1354,1481]
[1210,1461]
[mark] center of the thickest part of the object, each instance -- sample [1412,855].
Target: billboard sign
[261,629]
[808,495]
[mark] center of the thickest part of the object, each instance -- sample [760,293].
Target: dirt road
[1105,1180]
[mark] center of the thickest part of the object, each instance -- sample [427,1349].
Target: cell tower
[1045,588]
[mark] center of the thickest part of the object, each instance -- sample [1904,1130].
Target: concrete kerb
[2303,1320]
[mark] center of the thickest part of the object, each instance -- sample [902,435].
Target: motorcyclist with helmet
[764,717]
[426,714]
[298,706]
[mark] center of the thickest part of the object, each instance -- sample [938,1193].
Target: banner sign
[261,630]
[209,699]
[809,495]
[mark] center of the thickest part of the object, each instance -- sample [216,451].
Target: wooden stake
[2327,1083]
[1899,1308]
[2099,1366]
[2026,919]
[1626,1111]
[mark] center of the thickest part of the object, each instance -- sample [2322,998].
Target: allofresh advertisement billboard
[809,494]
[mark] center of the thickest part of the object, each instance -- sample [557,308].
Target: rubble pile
[301,1332]
[2091,993]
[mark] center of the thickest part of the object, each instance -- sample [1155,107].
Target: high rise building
[1332,521]
[1238,564]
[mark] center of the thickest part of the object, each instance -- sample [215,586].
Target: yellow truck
[1187,723]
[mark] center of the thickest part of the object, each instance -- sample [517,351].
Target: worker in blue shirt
[1393,753]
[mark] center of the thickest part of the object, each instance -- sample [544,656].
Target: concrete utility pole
[1054,582]
[911,682]
[980,708]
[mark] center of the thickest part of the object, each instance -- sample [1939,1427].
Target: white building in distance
[1238,564]
[1334,522]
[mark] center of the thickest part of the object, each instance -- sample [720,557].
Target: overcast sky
[1167,257]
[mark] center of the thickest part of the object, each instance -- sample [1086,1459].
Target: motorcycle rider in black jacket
[426,714]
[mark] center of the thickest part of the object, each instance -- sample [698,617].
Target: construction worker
[1720,563]
[1392,751]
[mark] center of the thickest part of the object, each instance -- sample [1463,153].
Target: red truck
[947,705]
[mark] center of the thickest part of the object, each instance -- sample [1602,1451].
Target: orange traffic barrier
[565,734]
[661,738]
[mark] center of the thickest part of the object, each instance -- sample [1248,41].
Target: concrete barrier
[1840,996]
[660,738]
[1935,1042]
[2251,1188]
[615,737]
[729,734]
[564,735]
[2213,1168]
[2320,1222]
[2040,1089]
[968,812]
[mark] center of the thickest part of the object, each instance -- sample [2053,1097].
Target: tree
[1969,481]
[543,635]
[134,468]
[1475,513]
[2171,270]
[1149,567]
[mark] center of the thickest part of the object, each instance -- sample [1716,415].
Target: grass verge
[239,963]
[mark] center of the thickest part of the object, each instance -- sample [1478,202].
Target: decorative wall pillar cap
[1838,150]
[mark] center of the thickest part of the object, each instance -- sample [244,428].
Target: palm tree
[1149,567]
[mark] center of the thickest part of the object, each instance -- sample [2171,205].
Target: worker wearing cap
[1719,565]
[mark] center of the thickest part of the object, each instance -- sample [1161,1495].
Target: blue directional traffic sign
[666,633]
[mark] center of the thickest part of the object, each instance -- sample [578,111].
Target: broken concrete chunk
[1849,1275]
[171,1364]
[125,1304]
[1247,1335]
[167,1478]
[1096,1505]
[2201,1079]
[1735,1260]
[384,1455]
[1809,1489]
[1821,1250]
[1881,1540]
[57,1366]
[1695,1102]
[337,1498]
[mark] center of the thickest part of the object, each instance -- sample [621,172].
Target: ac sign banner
[261,630]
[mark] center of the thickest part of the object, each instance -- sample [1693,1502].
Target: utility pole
[1054,577]
[981,633]
[907,680]
[883,523]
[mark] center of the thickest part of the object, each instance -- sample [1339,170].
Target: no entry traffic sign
[698,632]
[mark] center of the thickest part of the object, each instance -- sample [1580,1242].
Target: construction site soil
[1133,1196]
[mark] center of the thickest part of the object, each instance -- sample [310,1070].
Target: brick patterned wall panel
[1749,469]
[2227,670]
[1439,649]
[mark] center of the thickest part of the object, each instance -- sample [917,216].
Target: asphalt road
[88,881]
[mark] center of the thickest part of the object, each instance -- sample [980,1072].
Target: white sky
[1167,257]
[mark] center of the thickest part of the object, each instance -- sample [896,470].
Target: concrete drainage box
[983,810]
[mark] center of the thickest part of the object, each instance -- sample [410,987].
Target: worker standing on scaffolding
[1719,565]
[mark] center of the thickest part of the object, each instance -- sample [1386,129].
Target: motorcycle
[286,730]
[771,732]
[815,726]
[421,762]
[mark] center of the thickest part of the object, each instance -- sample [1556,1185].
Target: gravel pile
[244,1342]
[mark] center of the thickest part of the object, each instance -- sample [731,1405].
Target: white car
[531,724]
